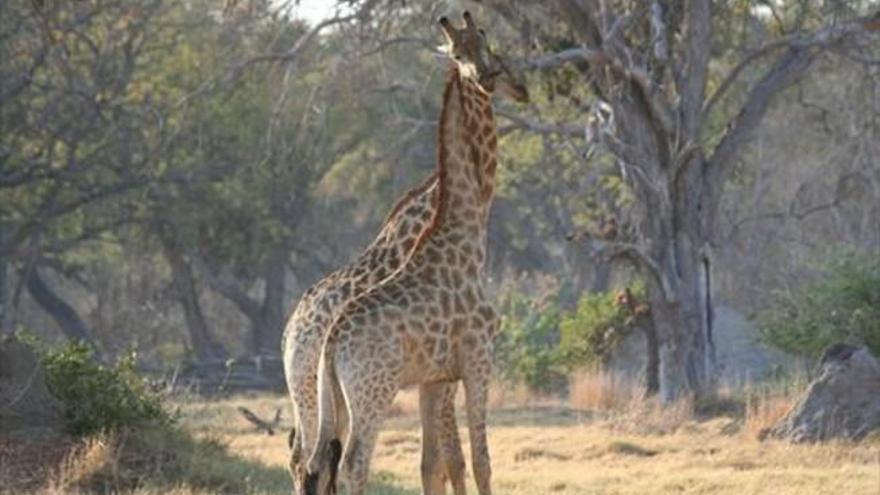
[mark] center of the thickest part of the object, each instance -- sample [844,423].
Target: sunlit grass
[557,449]
[539,446]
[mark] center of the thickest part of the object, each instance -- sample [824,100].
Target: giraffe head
[470,51]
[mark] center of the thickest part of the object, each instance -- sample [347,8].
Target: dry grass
[639,448]
[88,463]
[764,411]
[501,396]
[634,446]
[599,390]
[25,467]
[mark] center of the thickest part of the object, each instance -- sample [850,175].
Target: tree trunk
[652,363]
[5,310]
[682,323]
[55,306]
[203,344]
[267,330]
[601,277]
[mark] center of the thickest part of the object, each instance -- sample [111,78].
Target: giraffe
[429,323]
[305,330]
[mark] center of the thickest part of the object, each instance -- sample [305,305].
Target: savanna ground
[597,442]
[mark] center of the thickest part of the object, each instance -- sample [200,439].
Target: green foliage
[843,306]
[540,344]
[97,397]
[526,348]
[591,333]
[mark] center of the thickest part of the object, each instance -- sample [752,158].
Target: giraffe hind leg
[367,406]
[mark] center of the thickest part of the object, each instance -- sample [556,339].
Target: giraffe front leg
[450,441]
[476,387]
[442,457]
[433,479]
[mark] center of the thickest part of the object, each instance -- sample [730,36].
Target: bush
[526,348]
[843,306]
[100,398]
[540,344]
[593,331]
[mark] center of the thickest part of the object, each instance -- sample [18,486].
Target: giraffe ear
[447,28]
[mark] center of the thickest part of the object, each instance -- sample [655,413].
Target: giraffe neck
[408,219]
[466,163]
[466,160]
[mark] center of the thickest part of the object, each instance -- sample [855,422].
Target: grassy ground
[552,449]
[537,448]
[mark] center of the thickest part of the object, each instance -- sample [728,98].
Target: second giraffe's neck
[467,147]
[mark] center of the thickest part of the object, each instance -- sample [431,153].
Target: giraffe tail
[332,414]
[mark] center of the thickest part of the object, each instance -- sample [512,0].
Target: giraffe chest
[443,333]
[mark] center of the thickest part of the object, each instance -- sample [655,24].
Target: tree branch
[229,288]
[626,71]
[301,42]
[698,34]
[822,38]
[522,122]
[737,70]
[635,255]
[788,69]
[802,51]
[659,33]
[554,60]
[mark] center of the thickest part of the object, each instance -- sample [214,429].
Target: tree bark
[685,344]
[652,352]
[5,310]
[266,316]
[55,306]
[204,346]
[267,333]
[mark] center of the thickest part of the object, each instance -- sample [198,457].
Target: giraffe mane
[408,197]
[442,197]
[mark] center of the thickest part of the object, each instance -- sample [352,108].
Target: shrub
[843,306]
[97,397]
[540,344]
[593,331]
[526,348]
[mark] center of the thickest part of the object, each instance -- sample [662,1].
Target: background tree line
[173,175]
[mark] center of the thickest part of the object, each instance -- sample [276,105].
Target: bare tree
[649,62]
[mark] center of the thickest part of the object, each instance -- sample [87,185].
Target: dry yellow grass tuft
[600,390]
[89,462]
[764,411]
